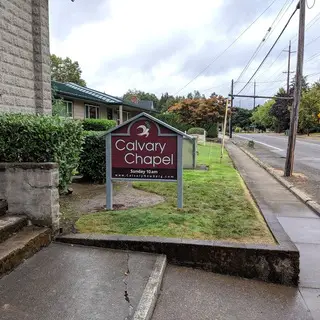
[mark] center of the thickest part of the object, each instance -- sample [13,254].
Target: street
[271,149]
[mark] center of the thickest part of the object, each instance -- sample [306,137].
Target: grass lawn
[217,205]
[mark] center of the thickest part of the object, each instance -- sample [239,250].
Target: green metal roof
[83,93]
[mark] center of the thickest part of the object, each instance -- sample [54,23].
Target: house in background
[85,103]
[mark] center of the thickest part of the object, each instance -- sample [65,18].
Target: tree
[195,95]
[141,95]
[261,116]
[200,112]
[241,118]
[281,111]
[66,70]
[166,101]
[304,85]
[213,94]
[309,109]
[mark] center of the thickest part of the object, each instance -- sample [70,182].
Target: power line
[313,40]
[216,87]
[265,38]
[308,26]
[312,74]
[265,58]
[313,57]
[314,2]
[225,50]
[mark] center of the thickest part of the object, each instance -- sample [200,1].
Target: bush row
[212,130]
[98,124]
[173,120]
[196,131]
[32,138]
[92,165]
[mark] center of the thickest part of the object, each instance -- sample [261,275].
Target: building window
[109,114]
[92,112]
[126,116]
[63,108]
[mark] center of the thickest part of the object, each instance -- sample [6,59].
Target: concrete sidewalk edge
[305,198]
[151,292]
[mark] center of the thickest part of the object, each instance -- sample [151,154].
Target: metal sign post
[144,149]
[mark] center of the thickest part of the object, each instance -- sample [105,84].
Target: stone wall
[25,84]
[32,189]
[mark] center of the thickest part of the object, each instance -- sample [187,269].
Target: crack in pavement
[126,294]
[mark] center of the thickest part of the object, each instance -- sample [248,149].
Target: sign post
[144,149]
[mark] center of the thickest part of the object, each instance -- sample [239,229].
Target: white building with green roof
[85,103]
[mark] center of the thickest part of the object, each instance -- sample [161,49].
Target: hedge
[196,131]
[173,120]
[98,124]
[33,138]
[92,165]
[212,130]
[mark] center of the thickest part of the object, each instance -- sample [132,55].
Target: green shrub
[92,163]
[212,130]
[31,138]
[196,131]
[98,124]
[237,130]
[173,120]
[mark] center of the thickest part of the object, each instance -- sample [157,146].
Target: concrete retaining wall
[2,184]
[277,264]
[32,189]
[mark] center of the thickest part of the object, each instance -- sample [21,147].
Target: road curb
[304,197]
[150,294]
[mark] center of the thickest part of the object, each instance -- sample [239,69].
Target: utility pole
[289,67]
[224,128]
[254,93]
[230,118]
[297,93]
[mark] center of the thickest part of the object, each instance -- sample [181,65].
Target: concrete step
[10,225]
[3,207]
[21,246]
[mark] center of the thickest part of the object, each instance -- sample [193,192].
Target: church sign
[144,149]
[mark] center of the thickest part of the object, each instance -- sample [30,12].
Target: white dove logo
[145,131]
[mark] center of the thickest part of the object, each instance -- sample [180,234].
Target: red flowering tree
[200,112]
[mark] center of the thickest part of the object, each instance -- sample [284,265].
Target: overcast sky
[159,46]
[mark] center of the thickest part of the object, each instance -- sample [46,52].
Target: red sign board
[144,149]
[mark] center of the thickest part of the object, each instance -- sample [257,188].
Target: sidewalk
[76,283]
[199,295]
[195,294]
[300,223]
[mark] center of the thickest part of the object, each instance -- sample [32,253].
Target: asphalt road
[271,148]
[306,152]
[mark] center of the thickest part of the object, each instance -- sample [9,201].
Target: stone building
[25,84]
